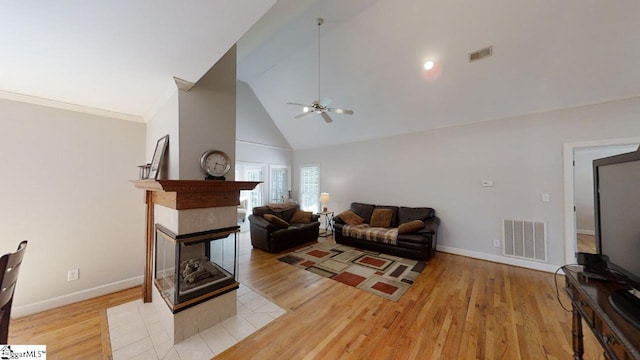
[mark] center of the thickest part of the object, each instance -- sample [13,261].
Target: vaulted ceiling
[120,56]
[115,55]
[547,55]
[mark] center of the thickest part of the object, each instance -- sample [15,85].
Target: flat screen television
[617,225]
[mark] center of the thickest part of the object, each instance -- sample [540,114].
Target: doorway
[247,171]
[579,212]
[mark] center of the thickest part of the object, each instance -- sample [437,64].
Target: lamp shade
[324,198]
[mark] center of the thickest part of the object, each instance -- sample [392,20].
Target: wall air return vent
[480,54]
[525,239]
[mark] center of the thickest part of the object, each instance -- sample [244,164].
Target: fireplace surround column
[186,222]
[186,195]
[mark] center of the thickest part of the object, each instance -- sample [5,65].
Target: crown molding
[7,95]
[262,145]
[183,85]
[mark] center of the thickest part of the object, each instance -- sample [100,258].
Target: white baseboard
[586,232]
[500,259]
[24,310]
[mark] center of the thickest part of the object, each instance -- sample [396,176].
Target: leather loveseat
[277,236]
[417,244]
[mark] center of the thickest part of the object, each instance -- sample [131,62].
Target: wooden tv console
[590,301]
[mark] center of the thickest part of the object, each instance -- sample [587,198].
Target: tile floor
[136,331]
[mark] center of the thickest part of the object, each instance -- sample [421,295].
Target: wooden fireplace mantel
[194,194]
[182,195]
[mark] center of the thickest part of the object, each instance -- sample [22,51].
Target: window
[255,195]
[310,188]
[251,172]
[279,181]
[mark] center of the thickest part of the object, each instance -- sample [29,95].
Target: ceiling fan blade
[325,101]
[326,117]
[298,104]
[301,115]
[341,111]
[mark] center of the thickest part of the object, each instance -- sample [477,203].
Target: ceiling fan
[320,106]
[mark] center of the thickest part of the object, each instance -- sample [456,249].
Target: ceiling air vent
[482,53]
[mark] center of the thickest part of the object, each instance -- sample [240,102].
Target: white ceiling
[115,55]
[120,56]
[547,54]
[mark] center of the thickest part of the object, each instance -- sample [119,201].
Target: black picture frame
[158,155]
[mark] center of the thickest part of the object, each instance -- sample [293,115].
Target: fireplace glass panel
[165,264]
[195,267]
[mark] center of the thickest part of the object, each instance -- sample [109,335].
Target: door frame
[263,190]
[569,189]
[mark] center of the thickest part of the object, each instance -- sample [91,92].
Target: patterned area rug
[380,274]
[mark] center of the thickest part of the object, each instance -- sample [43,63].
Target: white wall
[258,139]
[197,120]
[583,178]
[263,154]
[208,117]
[254,125]
[165,122]
[65,189]
[444,169]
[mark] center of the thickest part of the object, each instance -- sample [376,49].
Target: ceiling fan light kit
[320,106]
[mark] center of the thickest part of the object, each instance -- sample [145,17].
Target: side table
[328,223]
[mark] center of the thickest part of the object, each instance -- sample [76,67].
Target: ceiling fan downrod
[320,106]
[319,21]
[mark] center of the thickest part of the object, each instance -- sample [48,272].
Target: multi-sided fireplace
[191,248]
[193,268]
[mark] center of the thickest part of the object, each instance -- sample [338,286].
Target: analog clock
[215,164]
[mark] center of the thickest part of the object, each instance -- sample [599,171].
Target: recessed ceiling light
[429,64]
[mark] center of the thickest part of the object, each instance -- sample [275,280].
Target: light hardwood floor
[76,331]
[586,243]
[459,308]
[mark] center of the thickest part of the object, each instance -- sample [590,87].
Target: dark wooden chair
[9,269]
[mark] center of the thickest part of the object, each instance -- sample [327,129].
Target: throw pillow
[260,211]
[411,226]
[381,218]
[276,221]
[301,217]
[350,217]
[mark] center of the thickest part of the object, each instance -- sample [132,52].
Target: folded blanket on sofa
[283,206]
[377,234]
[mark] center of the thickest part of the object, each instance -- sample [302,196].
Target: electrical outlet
[73,274]
[496,243]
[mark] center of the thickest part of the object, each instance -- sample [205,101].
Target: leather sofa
[417,245]
[272,238]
